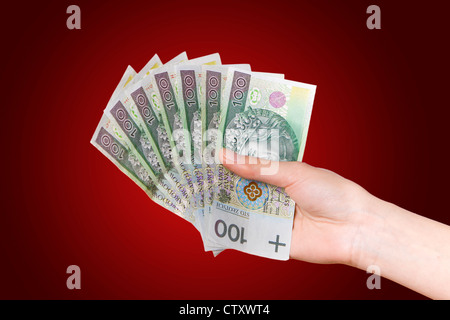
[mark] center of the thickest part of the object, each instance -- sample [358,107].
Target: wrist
[370,225]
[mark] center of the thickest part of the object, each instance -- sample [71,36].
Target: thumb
[278,173]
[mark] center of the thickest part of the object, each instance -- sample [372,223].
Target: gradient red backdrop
[380,118]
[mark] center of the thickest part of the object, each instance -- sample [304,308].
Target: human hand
[329,208]
[337,221]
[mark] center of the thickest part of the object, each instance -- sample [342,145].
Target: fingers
[279,173]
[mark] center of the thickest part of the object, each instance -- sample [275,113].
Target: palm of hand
[327,216]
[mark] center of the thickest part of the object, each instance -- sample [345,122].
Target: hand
[329,208]
[337,221]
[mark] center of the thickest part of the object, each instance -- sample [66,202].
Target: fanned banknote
[163,127]
[136,140]
[110,142]
[148,118]
[187,80]
[163,88]
[263,117]
[107,142]
[212,85]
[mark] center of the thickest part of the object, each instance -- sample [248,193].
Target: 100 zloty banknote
[264,117]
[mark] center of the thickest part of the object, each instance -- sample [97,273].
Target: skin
[337,221]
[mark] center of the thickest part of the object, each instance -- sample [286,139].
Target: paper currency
[109,137]
[187,81]
[163,127]
[212,85]
[105,141]
[263,117]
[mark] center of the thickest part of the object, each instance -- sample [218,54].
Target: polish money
[268,118]
[164,126]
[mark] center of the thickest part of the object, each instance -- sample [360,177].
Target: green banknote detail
[258,107]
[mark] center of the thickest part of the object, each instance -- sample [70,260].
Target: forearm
[407,248]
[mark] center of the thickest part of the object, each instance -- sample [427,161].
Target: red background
[380,118]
